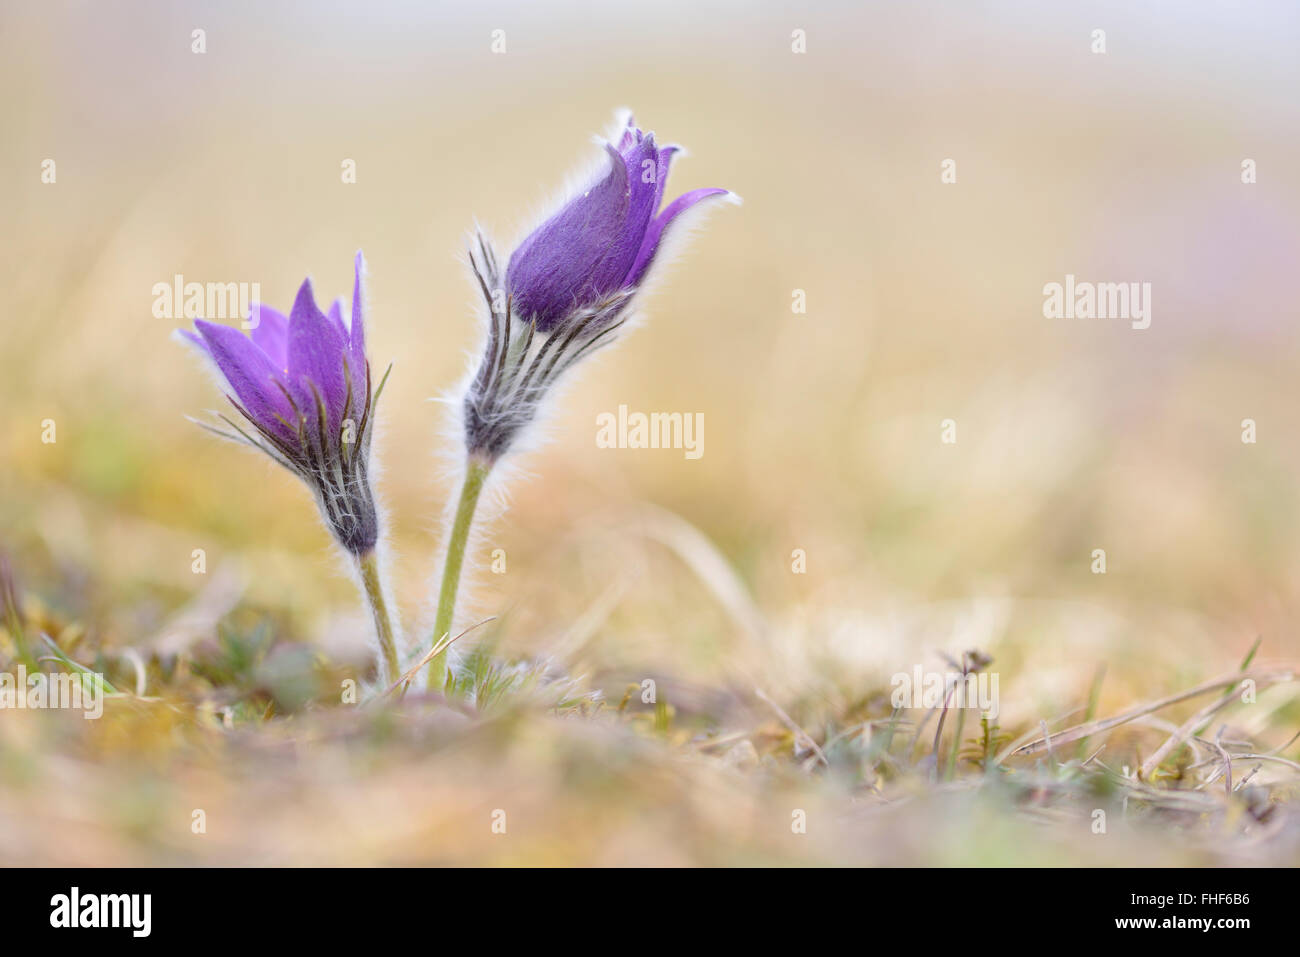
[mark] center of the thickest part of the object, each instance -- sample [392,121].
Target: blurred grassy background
[821,429]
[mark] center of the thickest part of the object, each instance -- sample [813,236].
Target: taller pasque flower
[566,291]
[569,285]
[302,384]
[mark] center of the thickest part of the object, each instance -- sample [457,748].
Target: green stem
[368,566]
[476,473]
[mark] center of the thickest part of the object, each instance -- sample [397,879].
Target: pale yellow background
[821,430]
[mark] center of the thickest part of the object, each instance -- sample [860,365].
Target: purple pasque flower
[303,384]
[602,241]
[567,288]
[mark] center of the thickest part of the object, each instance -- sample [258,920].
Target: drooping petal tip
[248,371]
[191,340]
[654,236]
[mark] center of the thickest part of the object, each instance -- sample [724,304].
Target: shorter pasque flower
[302,382]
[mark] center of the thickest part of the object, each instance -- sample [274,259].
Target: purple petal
[358,326]
[654,235]
[271,333]
[357,340]
[250,374]
[316,357]
[551,270]
[336,316]
[661,177]
[608,274]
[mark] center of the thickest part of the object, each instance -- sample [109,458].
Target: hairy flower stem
[368,566]
[476,473]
